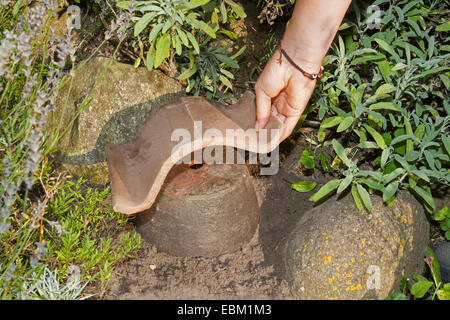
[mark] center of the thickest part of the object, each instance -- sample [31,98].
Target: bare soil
[238,275]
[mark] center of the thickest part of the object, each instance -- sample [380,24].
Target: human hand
[284,91]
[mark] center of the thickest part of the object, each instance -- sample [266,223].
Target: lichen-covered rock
[337,252]
[115,99]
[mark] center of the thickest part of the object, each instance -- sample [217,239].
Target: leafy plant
[47,287]
[83,218]
[209,70]
[443,217]
[180,31]
[385,92]
[35,206]
[307,161]
[423,287]
[172,24]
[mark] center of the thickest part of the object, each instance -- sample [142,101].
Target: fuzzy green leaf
[345,124]
[376,136]
[340,151]
[154,32]
[325,191]
[143,23]
[365,197]
[236,8]
[425,195]
[188,73]
[345,183]
[225,81]
[162,49]
[227,60]
[443,27]
[194,42]
[446,142]
[385,156]
[385,89]
[385,46]
[385,106]
[223,12]
[303,186]
[331,122]
[150,57]
[183,37]
[203,26]
[390,190]
[419,288]
[357,198]
[123,4]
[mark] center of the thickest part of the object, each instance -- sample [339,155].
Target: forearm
[312,28]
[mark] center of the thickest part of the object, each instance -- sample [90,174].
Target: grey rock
[115,99]
[337,252]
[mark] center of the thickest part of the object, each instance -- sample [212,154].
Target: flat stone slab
[138,169]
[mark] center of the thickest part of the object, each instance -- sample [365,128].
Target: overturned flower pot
[202,211]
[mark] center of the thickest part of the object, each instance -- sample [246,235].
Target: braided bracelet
[306,74]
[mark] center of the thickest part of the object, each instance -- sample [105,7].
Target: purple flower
[4,227]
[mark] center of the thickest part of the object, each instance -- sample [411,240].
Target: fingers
[277,115]
[283,105]
[263,106]
[270,83]
[288,113]
[290,124]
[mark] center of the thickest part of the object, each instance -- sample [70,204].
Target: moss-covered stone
[116,99]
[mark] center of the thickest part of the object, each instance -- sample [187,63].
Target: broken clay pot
[138,169]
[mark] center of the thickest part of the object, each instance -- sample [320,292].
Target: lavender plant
[29,86]
[48,287]
[32,69]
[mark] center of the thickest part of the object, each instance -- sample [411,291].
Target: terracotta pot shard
[173,131]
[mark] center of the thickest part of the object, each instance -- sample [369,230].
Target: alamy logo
[374,19]
[374,280]
[74,18]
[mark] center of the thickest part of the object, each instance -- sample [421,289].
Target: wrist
[309,58]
